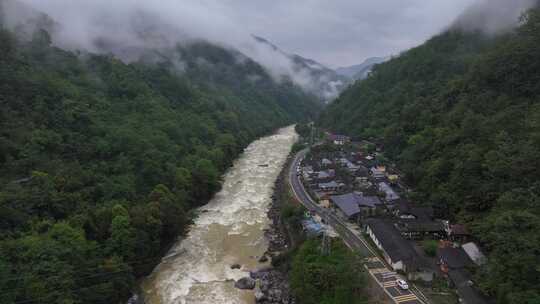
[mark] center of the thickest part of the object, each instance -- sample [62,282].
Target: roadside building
[366,205]
[308,173]
[397,252]
[325,175]
[390,194]
[347,204]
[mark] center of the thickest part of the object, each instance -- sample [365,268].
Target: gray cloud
[492,16]
[337,32]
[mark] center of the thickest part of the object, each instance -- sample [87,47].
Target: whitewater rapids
[229,230]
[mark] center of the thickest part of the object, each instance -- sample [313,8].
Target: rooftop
[462,279]
[394,245]
[420,226]
[455,258]
[391,195]
[348,203]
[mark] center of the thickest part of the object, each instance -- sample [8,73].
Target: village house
[307,173]
[346,205]
[355,203]
[331,186]
[378,172]
[405,210]
[397,252]
[421,229]
[458,233]
[362,182]
[390,194]
[454,262]
[339,140]
[466,290]
[325,175]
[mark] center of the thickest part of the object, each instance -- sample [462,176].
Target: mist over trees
[461,116]
[101,162]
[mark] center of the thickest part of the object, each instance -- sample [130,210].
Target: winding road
[380,272]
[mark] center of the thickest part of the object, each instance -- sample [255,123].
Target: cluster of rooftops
[360,189]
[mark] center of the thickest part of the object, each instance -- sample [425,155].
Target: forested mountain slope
[101,161]
[461,116]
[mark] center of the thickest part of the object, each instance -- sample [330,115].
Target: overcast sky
[345,32]
[334,32]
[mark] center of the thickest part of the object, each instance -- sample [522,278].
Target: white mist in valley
[229,230]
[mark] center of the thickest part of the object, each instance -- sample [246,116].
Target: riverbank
[227,239]
[274,287]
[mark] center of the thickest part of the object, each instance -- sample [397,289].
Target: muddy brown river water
[228,230]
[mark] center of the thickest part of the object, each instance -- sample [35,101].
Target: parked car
[402,284]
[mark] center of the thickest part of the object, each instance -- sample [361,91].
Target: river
[228,230]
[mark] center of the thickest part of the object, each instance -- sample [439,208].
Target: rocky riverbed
[273,284]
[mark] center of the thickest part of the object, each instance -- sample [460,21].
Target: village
[355,182]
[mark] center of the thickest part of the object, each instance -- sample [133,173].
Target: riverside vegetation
[334,278]
[461,116]
[102,161]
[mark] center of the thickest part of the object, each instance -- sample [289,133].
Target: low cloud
[493,16]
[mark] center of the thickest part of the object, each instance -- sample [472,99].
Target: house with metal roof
[347,204]
[420,229]
[397,252]
[450,257]
[467,292]
[390,194]
[331,186]
[355,203]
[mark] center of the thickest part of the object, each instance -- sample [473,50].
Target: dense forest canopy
[102,161]
[461,117]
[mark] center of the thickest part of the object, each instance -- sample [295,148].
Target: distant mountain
[360,71]
[318,79]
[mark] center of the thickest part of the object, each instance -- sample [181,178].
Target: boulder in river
[245,283]
[236,266]
[263,259]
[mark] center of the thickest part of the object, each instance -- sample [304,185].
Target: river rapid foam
[229,230]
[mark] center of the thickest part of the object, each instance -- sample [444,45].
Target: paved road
[384,276]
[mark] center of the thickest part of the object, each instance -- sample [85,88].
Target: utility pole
[312,135]
[326,240]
